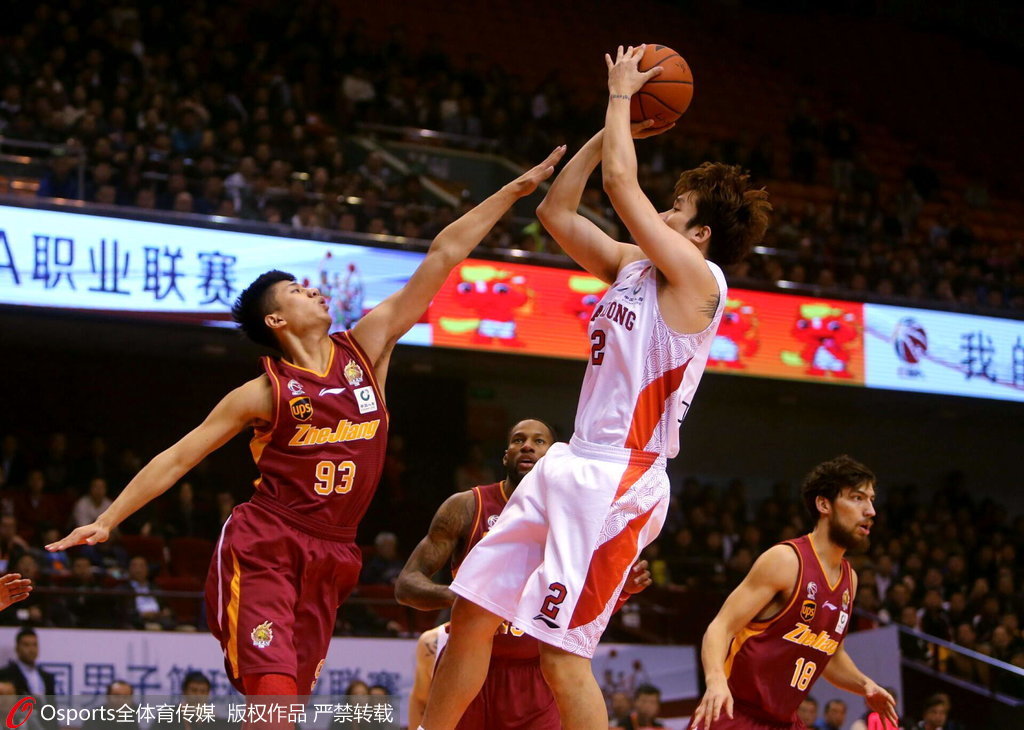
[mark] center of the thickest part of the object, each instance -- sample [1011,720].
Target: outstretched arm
[673,255]
[381,328]
[588,245]
[415,587]
[773,573]
[237,410]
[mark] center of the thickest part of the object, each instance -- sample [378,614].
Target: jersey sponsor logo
[830,606]
[262,635]
[309,435]
[353,373]
[808,610]
[295,387]
[331,391]
[365,399]
[812,590]
[302,408]
[844,618]
[803,636]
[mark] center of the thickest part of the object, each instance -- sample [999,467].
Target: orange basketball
[665,97]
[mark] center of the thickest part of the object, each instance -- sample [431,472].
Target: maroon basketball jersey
[773,664]
[509,642]
[321,457]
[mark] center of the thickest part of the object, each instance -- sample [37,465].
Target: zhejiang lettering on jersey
[773,664]
[322,456]
[642,374]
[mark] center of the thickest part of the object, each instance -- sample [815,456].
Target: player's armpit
[452,523]
[773,574]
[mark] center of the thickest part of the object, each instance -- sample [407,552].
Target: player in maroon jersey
[784,625]
[515,695]
[287,558]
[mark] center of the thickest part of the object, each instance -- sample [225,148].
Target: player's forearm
[418,591]
[154,479]
[617,152]
[714,650]
[566,191]
[844,674]
[460,237]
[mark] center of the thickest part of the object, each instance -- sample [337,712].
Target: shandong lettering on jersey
[773,664]
[321,457]
[642,374]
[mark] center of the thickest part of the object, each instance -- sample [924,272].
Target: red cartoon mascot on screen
[737,336]
[827,334]
[496,297]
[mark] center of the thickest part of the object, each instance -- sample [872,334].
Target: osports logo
[26,705]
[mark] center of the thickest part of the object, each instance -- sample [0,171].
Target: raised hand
[13,588]
[624,79]
[90,534]
[529,180]
[642,130]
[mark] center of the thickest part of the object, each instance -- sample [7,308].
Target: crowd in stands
[944,563]
[192,108]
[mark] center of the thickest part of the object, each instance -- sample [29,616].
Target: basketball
[665,97]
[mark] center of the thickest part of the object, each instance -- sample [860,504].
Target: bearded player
[559,555]
[287,558]
[515,695]
[783,627]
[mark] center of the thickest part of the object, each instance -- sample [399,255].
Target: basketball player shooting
[783,627]
[287,558]
[514,695]
[557,558]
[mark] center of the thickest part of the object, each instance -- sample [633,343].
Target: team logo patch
[491,520]
[295,387]
[302,408]
[262,635]
[846,599]
[365,399]
[812,590]
[353,373]
[808,610]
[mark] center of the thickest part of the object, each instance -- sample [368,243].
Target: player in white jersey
[557,557]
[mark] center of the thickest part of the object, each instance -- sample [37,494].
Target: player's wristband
[620,96]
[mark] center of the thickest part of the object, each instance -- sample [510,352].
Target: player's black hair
[646,689]
[551,429]
[254,304]
[831,477]
[195,676]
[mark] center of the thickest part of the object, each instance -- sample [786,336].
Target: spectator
[119,693]
[87,607]
[834,716]
[146,611]
[90,506]
[934,715]
[12,545]
[23,672]
[807,712]
[386,563]
[646,706]
[34,506]
[620,706]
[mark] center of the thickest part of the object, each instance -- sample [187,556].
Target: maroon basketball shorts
[514,697]
[272,595]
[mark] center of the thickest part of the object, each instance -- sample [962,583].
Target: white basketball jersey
[642,374]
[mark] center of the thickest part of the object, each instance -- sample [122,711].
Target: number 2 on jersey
[803,674]
[331,479]
[597,350]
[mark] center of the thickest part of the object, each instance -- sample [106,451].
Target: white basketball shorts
[556,559]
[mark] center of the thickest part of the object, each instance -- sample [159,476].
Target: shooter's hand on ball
[624,79]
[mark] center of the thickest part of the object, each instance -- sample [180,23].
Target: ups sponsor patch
[302,408]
